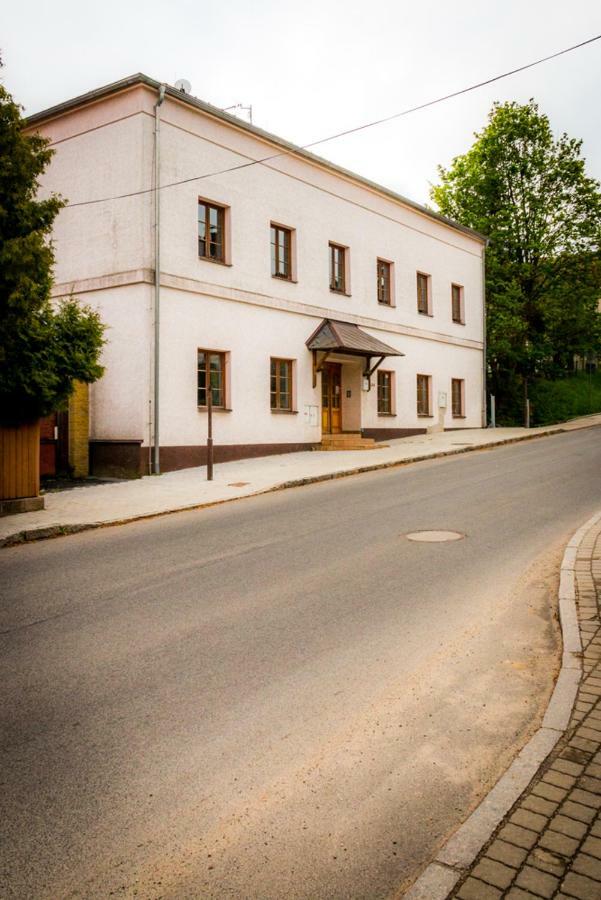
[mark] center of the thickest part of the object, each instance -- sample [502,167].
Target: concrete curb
[60,530]
[455,856]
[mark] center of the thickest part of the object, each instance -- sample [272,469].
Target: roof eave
[141,78]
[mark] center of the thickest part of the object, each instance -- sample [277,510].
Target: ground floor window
[211,372]
[385,393]
[423,395]
[281,384]
[457,397]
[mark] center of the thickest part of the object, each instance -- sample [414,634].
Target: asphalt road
[281,696]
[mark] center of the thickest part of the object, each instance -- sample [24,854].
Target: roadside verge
[454,860]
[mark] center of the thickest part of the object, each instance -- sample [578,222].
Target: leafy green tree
[529,193]
[43,349]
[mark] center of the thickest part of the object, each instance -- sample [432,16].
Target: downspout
[156,466]
[484,366]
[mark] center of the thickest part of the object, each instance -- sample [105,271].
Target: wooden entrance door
[54,444]
[331,394]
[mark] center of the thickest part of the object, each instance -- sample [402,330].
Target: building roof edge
[288,147]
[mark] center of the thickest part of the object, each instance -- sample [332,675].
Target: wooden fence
[19,461]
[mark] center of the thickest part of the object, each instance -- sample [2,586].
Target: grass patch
[565,398]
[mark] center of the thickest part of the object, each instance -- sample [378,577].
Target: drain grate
[434,537]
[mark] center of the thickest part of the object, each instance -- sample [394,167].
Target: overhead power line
[339,134]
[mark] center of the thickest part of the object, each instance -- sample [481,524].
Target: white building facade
[313,301]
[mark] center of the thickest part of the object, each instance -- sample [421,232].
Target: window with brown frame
[337,268]
[457,304]
[457,395]
[281,252]
[423,395]
[281,384]
[211,371]
[384,393]
[384,280]
[211,231]
[423,294]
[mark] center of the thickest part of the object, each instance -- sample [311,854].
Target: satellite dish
[183,85]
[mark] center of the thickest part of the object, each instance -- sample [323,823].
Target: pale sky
[315,67]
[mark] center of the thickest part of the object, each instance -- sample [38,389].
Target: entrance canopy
[343,337]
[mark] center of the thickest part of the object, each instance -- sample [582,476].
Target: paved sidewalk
[105,504]
[550,843]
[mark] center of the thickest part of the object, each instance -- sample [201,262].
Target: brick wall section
[79,430]
[550,843]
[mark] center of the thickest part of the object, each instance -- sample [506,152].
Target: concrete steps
[348,440]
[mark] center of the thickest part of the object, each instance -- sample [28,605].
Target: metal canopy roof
[343,337]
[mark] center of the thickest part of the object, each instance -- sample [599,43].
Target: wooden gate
[19,461]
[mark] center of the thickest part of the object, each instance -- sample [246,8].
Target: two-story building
[309,301]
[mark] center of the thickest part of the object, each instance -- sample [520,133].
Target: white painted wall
[107,150]
[252,335]
[119,401]
[310,202]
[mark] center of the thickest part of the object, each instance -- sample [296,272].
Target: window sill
[428,314]
[387,305]
[285,412]
[215,262]
[283,278]
[386,415]
[458,417]
[458,322]
[425,416]
[336,291]
[216,409]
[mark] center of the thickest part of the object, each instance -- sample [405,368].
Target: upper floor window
[384,270]
[457,310]
[424,305]
[211,373]
[281,384]
[423,395]
[281,252]
[211,231]
[385,386]
[457,304]
[338,268]
[457,398]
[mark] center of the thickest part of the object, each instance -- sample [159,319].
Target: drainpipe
[156,467]
[484,366]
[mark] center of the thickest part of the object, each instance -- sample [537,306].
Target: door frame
[326,412]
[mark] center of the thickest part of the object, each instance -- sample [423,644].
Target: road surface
[281,696]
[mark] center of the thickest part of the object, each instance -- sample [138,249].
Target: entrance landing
[348,440]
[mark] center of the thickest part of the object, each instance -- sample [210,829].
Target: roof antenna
[248,109]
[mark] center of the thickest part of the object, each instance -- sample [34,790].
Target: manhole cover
[433,537]
[238,483]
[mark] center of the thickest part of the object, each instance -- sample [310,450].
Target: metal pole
[527,413]
[484,366]
[493,412]
[156,466]
[210,430]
